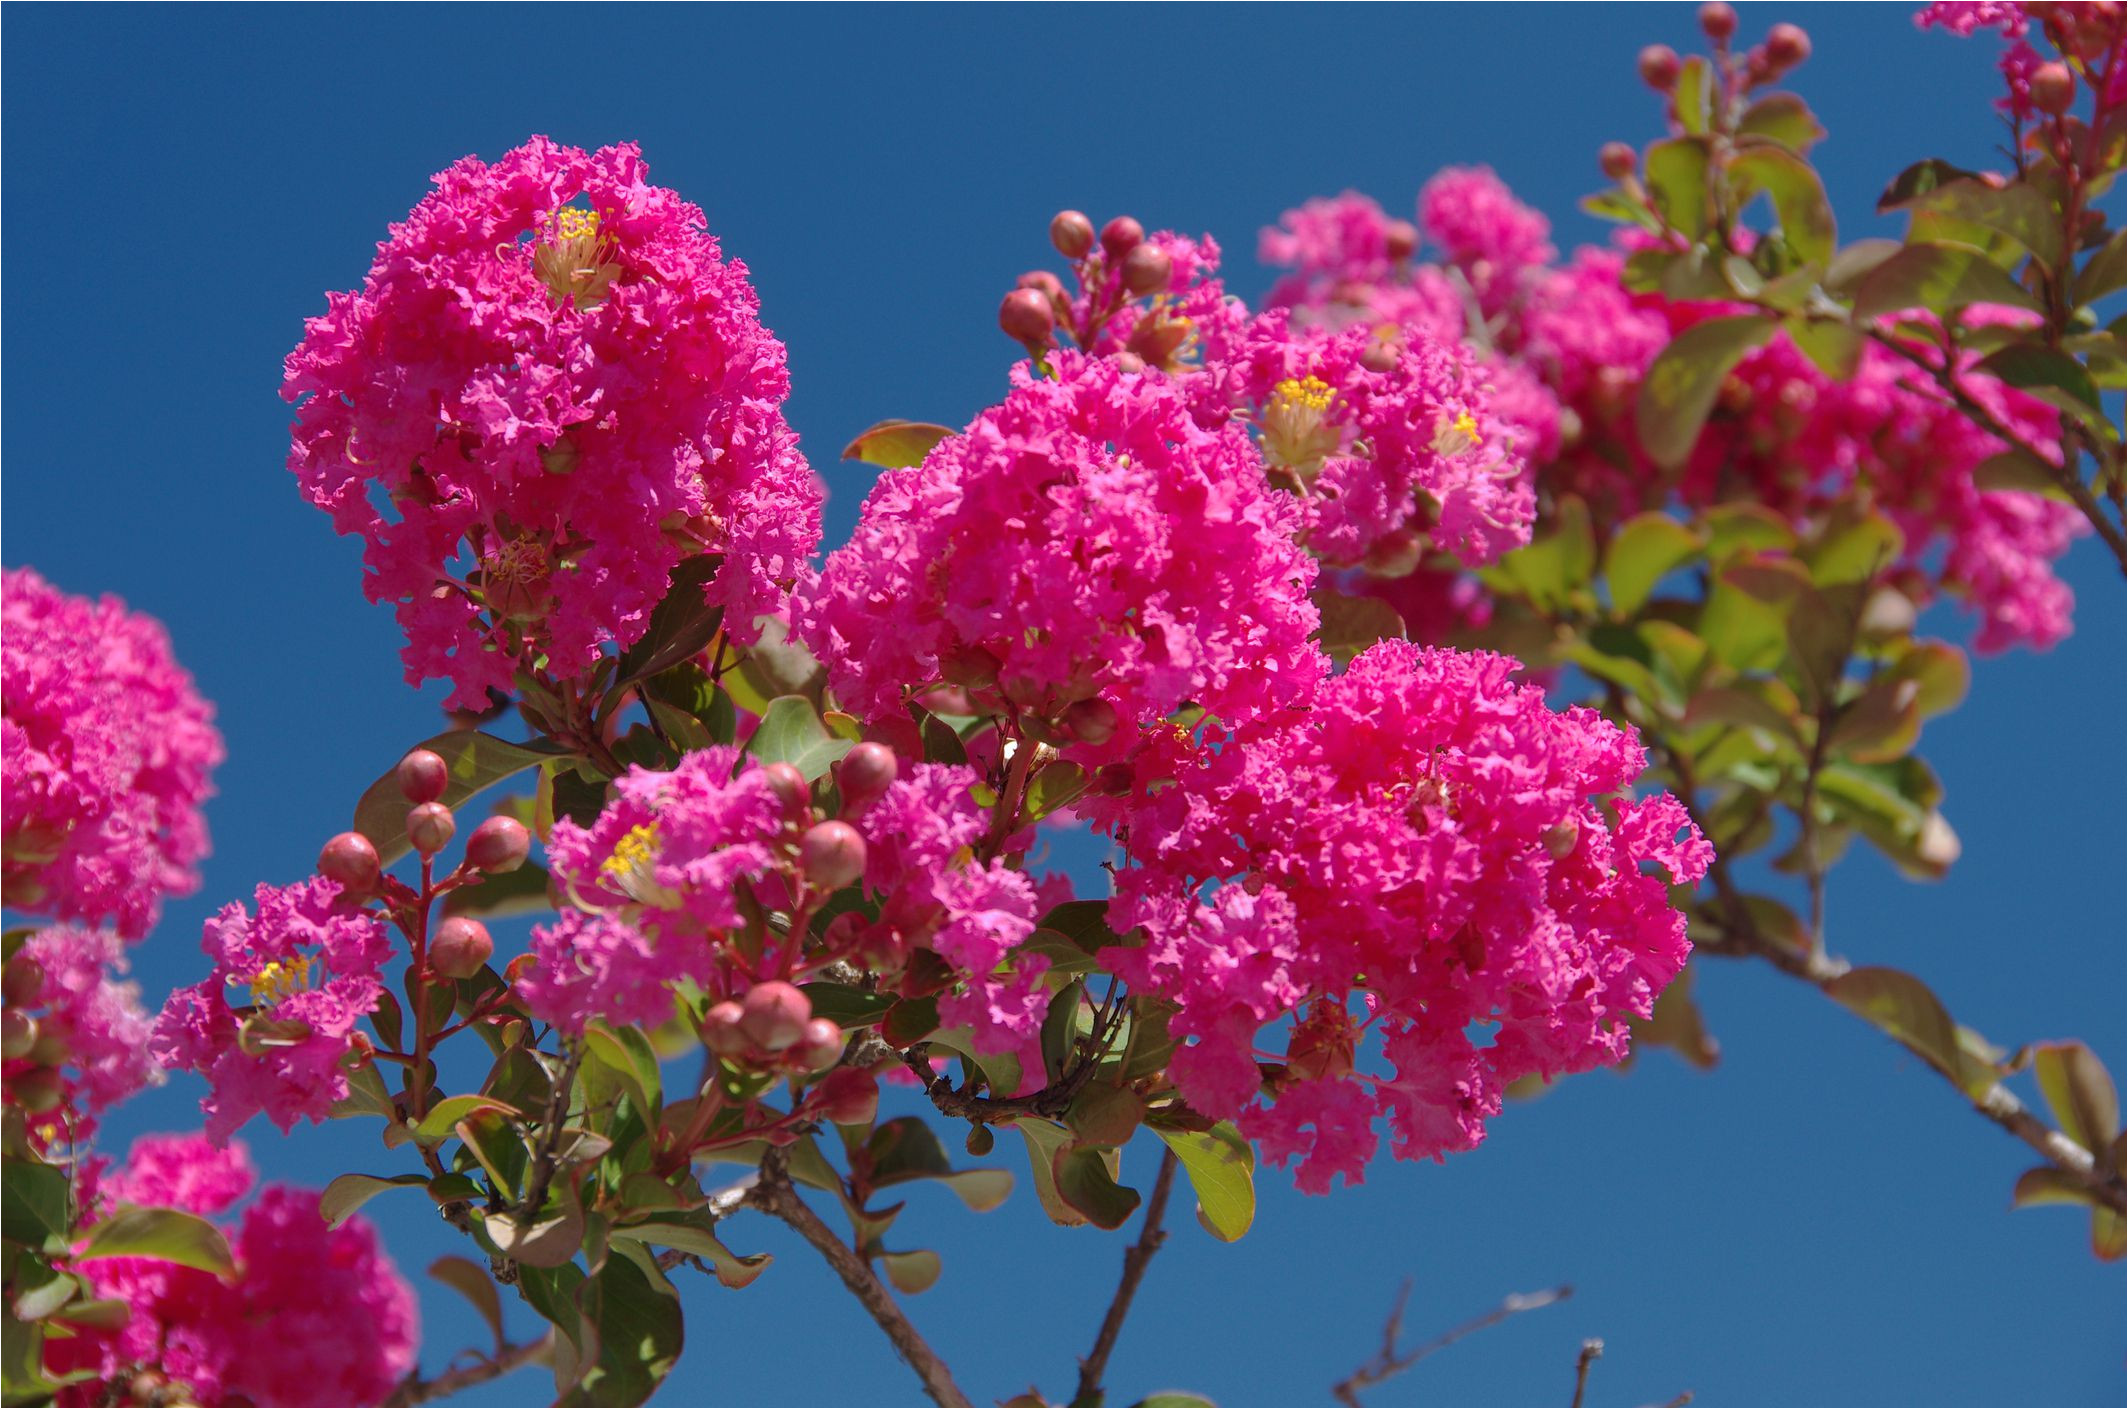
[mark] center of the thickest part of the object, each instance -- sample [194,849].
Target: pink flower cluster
[2090,33]
[1085,539]
[1426,837]
[308,963]
[1571,345]
[89,1028]
[105,754]
[534,409]
[314,1315]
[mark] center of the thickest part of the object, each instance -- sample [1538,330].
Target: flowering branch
[774,1194]
[1136,1259]
[511,1358]
[1387,1364]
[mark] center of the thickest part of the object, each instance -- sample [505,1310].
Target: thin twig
[1135,1260]
[1591,1352]
[1387,1363]
[415,1390]
[774,1194]
[543,1164]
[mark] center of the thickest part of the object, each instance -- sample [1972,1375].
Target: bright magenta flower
[105,753]
[89,1025]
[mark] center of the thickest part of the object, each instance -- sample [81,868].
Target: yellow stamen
[279,980]
[1295,434]
[1455,437]
[575,260]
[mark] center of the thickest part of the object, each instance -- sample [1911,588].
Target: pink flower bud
[1718,20]
[22,981]
[1043,282]
[849,1096]
[722,1032]
[1072,233]
[1120,236]
[2053,89]
[1380,355]
[788,784]
[1786,46]
[351,859]
[430,827]
[1027,318]
[498,845]
[864,775]
[1618,160]
[38,1091]
[423,776]
[1147,269]
[1091,721]
[461,946]
[1402,238]
[820,1048]
[1659,67]
[832,855]
[18,1033]
[1561,838]
[774,1015]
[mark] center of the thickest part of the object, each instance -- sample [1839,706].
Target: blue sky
[1818,1220]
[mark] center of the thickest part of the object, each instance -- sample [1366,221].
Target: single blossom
[106,749]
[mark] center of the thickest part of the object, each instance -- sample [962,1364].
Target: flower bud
[1561,838]
[38,1091]
[423,776]
[1147,269]
[980,1141]
[1396,555]
[18,1033]
[849,1096]
[1380,355]
[820,1047]
[788,784]
[1091,721]
[721,1030]
[2053,89]
[520,969]
[864,775]
[1026,317]
[1114,779]
[832,855]
[773,1015]
[1618,160]
[1120,236]
[1718,20]
[1072,233]
[22,981]
[1042,282]
[1402,238]
[498,845]
[1786,46]
[1659,67]
[1127,361]
[351,859]
[461,946]
[430,827]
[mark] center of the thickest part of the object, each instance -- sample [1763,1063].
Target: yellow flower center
[279,980]
[1295,435]
[575,259]
[634,853]
[1455,437]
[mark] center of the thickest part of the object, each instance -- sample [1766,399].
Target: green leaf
[847,1006]
[1681,384]
[1833,348]
[2079,1093]
[2015,472]
[1798,197]
[1353,623]
[1222,1170]
[441,1122]
[1174,1399]
[545,1240]
[1620,205]
[2048,1185]
[1677,183]
[2017,211]
[627,1053]
[1086,1180]
[519,892]
[35,1204]
[895,445]
[1056,784]
[1646,549]
[1939,278]
[2104,272]
[1557,563]
[633,1315]
[911,1272]
[1694,95]
[1940,673]
[791,732]
[1851,264]
[1880,725]
[694,1233]
[1903,1007]
[471,1281]
[1107,1115]
[1047,1142]
[1854,546]
[350,1191]
[1677,1024]
[1783,118]
[477,762]
[2041,370]
[681,625]
[1918,180]
[161,1233]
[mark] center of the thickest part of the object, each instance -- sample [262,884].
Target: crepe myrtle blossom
[550,390]
[1427,854]
[106,749]
[313,1315]
[76,1040]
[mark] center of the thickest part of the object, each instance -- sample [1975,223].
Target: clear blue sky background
[1819,1220]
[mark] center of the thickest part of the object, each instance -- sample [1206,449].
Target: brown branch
[775,1195]
[1051,1101]
[1591,1352]
[543,1164]
[415,1390]
[1387,1363]
[1136,1259]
